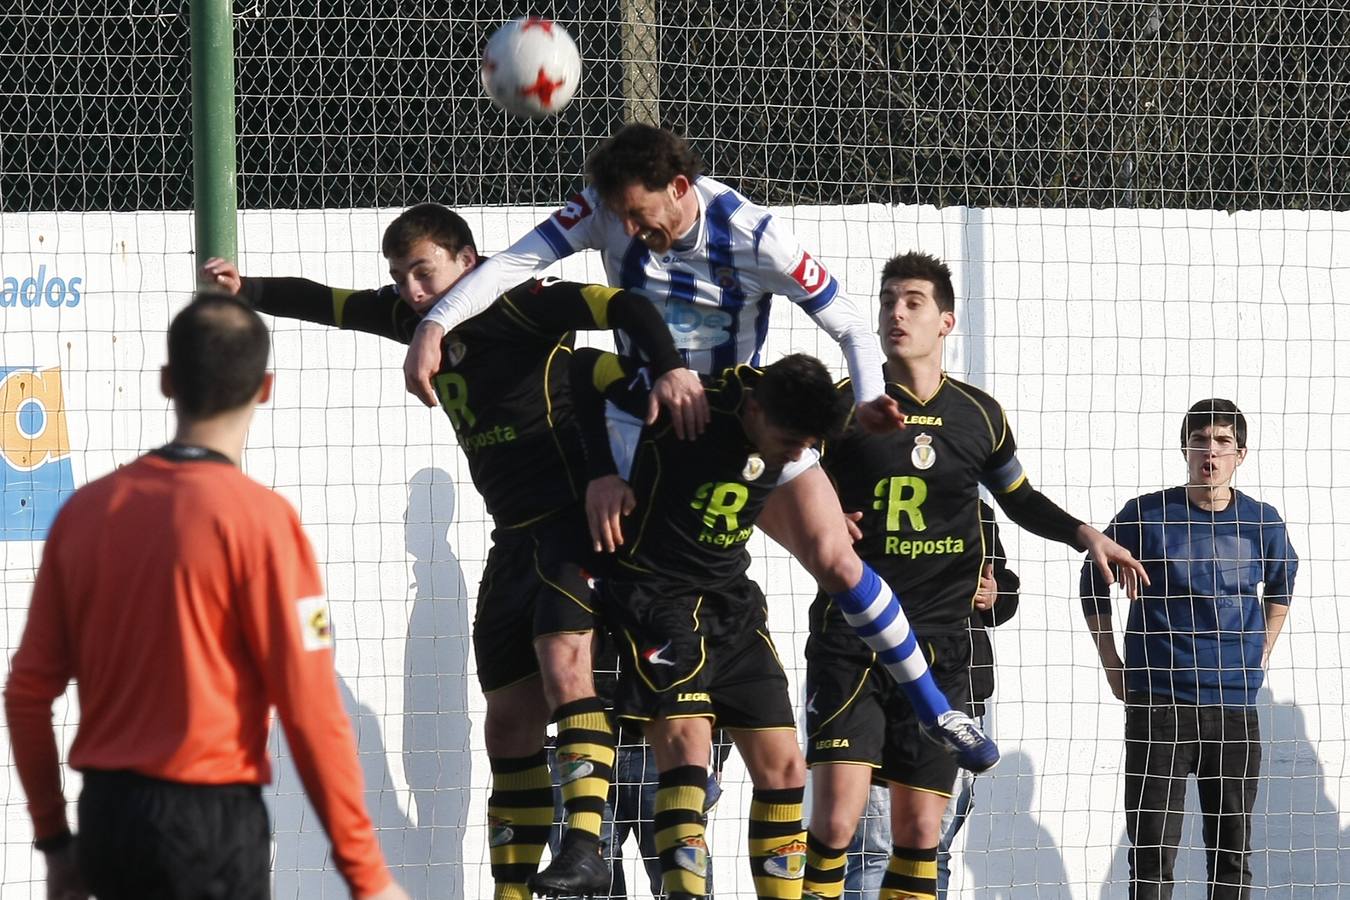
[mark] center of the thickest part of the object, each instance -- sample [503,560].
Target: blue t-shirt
[1197,632]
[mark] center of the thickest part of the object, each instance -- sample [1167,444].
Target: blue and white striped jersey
[715,294]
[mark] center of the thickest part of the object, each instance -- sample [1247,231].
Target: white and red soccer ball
[531,67]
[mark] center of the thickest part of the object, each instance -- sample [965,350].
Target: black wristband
[59,841]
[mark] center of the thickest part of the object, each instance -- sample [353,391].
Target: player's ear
[468,257]
[948,323]
[681,185]
[1241,455]
[165,382]
[265,389]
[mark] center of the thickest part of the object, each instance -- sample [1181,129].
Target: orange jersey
[184,600]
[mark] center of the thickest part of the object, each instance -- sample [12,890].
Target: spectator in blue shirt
[1197,641]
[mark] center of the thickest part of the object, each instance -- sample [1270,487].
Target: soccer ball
[531,67]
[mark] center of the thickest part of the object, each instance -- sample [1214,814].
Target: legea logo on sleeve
[41,289]
[35,472]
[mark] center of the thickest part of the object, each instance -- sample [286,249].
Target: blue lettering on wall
[39,290]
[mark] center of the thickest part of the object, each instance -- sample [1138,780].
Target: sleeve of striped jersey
[1281,562]
[381,312]
[791,271]
[289,635]
[1093,590]
[572,228]
[39,673]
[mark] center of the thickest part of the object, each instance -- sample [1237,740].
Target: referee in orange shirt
[184,600]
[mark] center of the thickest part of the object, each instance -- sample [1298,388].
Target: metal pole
[641,62]
[213,160]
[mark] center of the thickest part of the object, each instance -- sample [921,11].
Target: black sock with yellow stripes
[520,813]
[680,840]
[585,764]
[911,873]
[777,843]
[824,869]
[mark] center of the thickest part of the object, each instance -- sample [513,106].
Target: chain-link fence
[989,103]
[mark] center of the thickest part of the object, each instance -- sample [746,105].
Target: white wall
[1096,329]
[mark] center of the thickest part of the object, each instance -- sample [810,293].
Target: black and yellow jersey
[918,491]
[504,379]
[697,500]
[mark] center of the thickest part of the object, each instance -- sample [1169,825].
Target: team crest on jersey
[725,276]
[754,467]
[455,353]
[692,855]
[499,831]
[573,767]
[924,453]
[787,861]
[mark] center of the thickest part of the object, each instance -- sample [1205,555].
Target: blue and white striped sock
[875,614]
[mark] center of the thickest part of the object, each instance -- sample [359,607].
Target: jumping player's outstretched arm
[561,306]
[379,311]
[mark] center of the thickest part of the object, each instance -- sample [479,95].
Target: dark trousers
[145,839]
[1164,745]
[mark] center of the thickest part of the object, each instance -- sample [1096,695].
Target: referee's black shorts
[143,838]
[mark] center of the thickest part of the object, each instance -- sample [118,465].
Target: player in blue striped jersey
[711,260]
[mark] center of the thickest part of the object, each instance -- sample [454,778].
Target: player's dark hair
[217,355]
[798,395]
[641,154]
[924,267]
[427,222]
[1215,411]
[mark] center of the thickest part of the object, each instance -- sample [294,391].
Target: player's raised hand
[608,500]
[880,415]
[1110,557]
[423,361]
[681,392]
[222,275]
[988,590]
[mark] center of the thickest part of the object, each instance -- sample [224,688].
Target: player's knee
[831,826]
[834,564]
[917,831]
[509,730]
[781,771]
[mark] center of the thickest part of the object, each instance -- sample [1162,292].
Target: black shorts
[143,838]
[856,713]
[684,654]
[536,582]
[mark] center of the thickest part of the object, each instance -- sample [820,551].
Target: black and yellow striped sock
[911,873]
[777,843]
[585,763]
[520,813]
[824,870]
[680,839]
